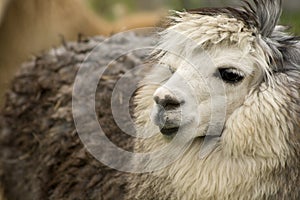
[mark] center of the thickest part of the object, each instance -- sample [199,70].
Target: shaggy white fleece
[257,154]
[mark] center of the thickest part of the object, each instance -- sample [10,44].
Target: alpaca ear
[267,14]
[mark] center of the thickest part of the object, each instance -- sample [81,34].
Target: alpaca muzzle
[167,111]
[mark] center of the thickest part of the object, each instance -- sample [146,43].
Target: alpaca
[235,56]
[236,63]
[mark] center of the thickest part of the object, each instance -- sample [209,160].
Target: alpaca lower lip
[167,119]
[169,131]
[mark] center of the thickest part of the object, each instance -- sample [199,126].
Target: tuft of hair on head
[281,48]
[266,14]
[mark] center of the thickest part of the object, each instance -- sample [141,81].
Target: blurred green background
[291,19]
[115,9]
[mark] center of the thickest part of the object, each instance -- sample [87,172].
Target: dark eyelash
[230,75]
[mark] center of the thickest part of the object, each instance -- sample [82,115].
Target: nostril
[168,102]
[157,100]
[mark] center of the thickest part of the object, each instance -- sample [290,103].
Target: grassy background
[114,9]
[291,19]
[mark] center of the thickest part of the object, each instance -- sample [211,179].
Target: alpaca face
[207,79]
[216,81]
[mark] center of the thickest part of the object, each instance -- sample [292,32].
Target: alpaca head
[212,67]
[215,67]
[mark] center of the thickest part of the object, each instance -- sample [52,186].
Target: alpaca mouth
[168,126]
[168,121]
[169,131]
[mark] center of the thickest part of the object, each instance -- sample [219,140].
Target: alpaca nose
[167,115]
[167,99]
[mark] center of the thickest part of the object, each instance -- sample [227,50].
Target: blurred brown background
[28,27]
[114,9]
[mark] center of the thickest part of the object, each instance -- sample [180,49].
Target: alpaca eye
[231,75]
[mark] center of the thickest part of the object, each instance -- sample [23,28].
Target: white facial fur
[208,100]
